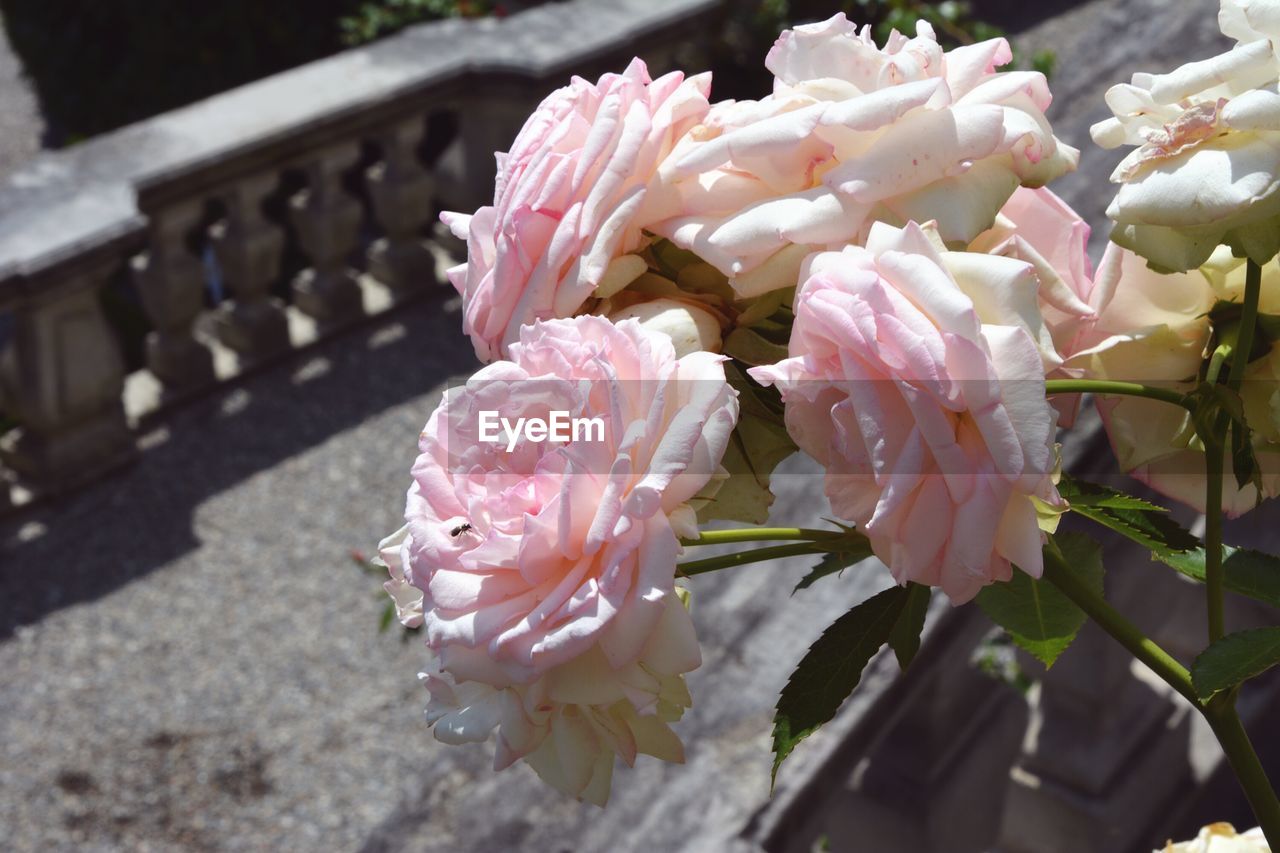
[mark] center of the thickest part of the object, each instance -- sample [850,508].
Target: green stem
[1220,713]
[741,558]
[1248,320]
[762,534]
[1125,389]
[1214,445]
[1058,573]
[1226,725]
[1213,580]
[1220,354]
[1214,471]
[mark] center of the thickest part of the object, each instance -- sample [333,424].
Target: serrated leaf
[830,564]
[1235,659]
[904,639]
[835,561]
[831,669]
[750,347]
[1244,571]
[758,443]
[1036,615]
[1084,493]
[1148,525]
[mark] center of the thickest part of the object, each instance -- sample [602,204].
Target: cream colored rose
[691,329]
[1154,329]
[1221,838]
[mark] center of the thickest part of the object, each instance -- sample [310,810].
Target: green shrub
[377,18]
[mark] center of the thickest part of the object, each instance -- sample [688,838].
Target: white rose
[1206,169]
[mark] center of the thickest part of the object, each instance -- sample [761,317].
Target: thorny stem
[741,558]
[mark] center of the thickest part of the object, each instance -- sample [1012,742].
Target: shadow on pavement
[84,546]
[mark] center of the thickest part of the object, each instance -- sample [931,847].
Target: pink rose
[852,134]
[571,198]
[574,721]
[571,722]
[1038,227]
[931,421]
[541,552]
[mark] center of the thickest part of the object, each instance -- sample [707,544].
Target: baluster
[170,281]
[62,378]
[1106,749]
[402,192]
[328,223]
[485,127]
[6,411]
[248,247]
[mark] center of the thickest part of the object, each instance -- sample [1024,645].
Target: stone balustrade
[252,223]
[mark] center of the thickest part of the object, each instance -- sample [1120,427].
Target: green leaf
[1037,616]
[766,305]
[904,639]
[670,258]
[1223,399]
[758,443]
[1083,493]
[1251,573]
[1244,464]
[1235,659]
[742,497]
[750,347]
[1268,329]
[1144,523]
[831,669]
[833,562]
[753,398]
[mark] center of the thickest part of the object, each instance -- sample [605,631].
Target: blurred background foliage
[99,64]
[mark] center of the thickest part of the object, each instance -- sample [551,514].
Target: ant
[459,530]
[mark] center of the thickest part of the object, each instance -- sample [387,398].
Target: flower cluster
[863,265]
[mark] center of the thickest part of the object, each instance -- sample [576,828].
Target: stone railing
[257,221]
